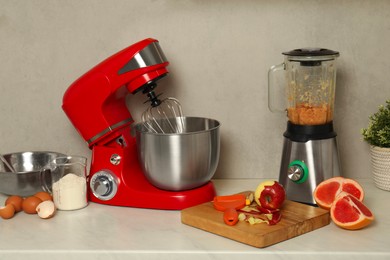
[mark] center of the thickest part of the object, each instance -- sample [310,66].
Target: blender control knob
[103,185]
[297,171]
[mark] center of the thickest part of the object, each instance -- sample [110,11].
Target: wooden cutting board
[297,219]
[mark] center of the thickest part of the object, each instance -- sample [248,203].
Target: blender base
[304,165]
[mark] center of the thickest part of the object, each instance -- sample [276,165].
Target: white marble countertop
[107,232]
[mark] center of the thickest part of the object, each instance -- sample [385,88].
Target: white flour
[70,192]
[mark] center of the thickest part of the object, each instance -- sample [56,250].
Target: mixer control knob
[103,185]
[297,171]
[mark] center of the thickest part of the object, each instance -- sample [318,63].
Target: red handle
[230,217]
[229,205]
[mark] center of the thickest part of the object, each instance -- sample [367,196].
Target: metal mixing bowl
[180,161]
[32,173]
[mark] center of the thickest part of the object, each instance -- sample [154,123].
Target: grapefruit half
[327,191]
[350,213]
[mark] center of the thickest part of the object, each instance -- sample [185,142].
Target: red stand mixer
[96,106]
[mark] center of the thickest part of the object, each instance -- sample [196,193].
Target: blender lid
[311,56]
[312,52]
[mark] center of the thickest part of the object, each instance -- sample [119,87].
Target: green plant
[378,131]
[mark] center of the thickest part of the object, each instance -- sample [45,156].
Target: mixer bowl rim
[35,152]
[32,152]
[218,124]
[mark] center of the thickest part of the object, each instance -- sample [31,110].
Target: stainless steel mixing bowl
[180,161]
[32,173]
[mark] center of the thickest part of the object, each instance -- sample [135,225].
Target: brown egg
[30,204]
[7,211]
[43,195]
[16,201]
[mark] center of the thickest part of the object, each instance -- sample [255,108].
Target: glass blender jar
[310,149]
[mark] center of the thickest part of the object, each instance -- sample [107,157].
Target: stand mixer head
[96,105]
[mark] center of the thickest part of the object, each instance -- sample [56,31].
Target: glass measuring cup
[69,182]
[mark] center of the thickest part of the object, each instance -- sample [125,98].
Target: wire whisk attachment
[165,117]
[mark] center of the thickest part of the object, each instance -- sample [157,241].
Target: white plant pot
[380,161]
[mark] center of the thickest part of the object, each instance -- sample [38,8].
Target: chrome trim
[148,56]
[109,129]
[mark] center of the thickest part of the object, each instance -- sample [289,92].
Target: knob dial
[297,171]
[103,185]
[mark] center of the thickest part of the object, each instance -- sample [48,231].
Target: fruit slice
[327,191]
[350,213]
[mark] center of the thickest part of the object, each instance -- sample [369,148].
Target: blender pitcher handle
[272,88]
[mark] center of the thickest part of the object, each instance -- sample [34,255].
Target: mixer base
[116,179]
[154,198]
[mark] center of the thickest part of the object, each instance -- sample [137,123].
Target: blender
[309,148]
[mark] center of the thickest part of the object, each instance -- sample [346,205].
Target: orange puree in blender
[305,114]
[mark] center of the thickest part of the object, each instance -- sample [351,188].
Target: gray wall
[220,52]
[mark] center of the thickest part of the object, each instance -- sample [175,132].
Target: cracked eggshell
[46,209]
[7,211]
